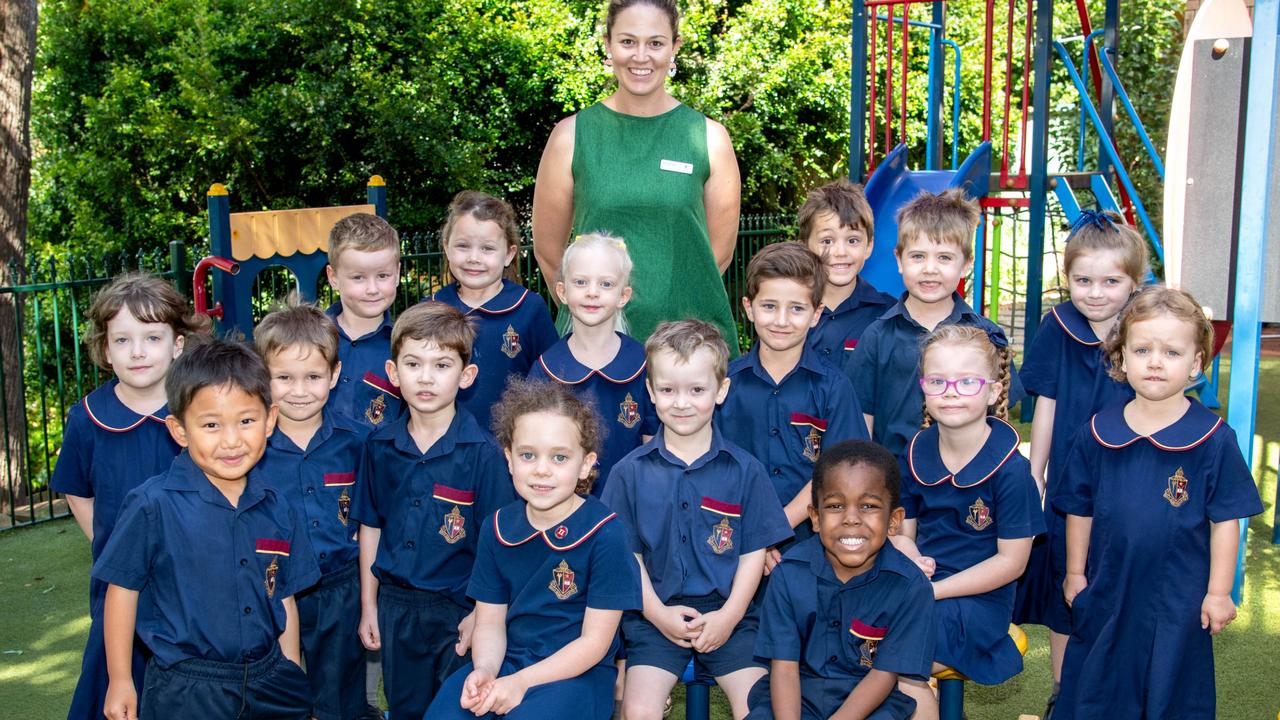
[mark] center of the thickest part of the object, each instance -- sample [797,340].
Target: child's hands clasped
[121,702]
[1073,586]
[1216,612]
[503,696]
[466,629]
[671,622]
[714,629]
[475,689]
[926,564]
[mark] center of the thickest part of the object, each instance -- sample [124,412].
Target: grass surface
[44,615]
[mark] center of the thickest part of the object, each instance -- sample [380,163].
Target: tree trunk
[17,60]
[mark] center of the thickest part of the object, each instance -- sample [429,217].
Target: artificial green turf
[44,616]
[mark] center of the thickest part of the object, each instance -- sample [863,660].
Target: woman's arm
[553,200]
[1007,565]
[1041,439]
[721,195]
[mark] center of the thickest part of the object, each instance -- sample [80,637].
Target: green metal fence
[44,369]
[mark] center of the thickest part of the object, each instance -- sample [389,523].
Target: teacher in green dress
[643,166]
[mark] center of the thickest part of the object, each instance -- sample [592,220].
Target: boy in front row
[431,478]
[700,513]
[934,253]
[206,558]
[846,613]
[313,459]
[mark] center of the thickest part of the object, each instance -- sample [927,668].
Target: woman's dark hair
[854,453]
[668,7]
[215,363]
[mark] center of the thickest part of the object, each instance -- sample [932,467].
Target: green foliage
[141,104]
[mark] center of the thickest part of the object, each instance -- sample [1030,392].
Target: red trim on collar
[501,311]
[1067,330]
[384,385]
[1093,429]
[951,476]
[586,377]
[141,419]
[546,537]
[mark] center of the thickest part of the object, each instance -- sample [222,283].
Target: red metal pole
[1026,97]
[871,106]
[986,71]
[1086,27]
[906,56]
[888,82]
[1008,95]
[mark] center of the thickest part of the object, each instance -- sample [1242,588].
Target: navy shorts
[588,696]
[760,703]
[271,688]
[419,630]
[329,615]
[646,645]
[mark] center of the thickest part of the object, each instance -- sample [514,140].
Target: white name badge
[674,166]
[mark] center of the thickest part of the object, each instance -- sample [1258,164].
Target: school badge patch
[376,411]
[562,581]
[979,515]
[343,480]
[279,548]
[511,342]
[813,445]
[871,637]
[721,537]
[813,438]
[628,412]
[344,507]
[1177,493]
[454,527]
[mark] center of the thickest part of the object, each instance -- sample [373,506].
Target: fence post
[178,266]
[376,192]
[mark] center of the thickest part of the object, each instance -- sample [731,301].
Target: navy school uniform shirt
[785,425]
[210,577]
[1066,362]
[690,523]
[885,370]
[617,390]
[962,516]
[429,505]
[838,632]
[1153,500]
[839,329]
[512,330]
[548,578]
[108,450]
[320,480]
[363,392]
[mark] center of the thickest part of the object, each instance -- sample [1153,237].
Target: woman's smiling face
[641,43]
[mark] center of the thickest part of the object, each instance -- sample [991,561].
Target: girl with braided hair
[971,505]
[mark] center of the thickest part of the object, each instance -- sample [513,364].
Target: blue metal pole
[1039,180]
[1255,195]
[376,193]
[219,204]
[858,93]
[955,105]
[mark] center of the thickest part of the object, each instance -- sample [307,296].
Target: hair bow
[997,337]
[1097,219]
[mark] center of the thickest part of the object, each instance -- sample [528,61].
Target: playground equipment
[244,244]
[1216,213]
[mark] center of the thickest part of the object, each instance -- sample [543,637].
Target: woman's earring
[608,61]
[671,69]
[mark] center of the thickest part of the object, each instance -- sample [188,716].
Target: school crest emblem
[511,342]
[269,580]
[344,507]
[867,653]
[721,537]
[979,515]
[454,527]
[1177,493]
[562,581]
[813,444]
[628,412]
[377,410]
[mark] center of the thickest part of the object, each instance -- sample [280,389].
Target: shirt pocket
[808,432]
[721,523]
[452,512]
[864,639]
[338,487]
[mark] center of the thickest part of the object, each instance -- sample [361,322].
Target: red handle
[197,283]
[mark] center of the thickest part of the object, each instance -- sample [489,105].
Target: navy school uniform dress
[618,392]
[428,507]
[960,519]
[885,370]
[513,329]
[691,523]
[1136,648]
[211,580]
[1065,362]
[107,451]
[320,480]
[548,579]
[839,329]
[786,424]
[363,392]
[838,632]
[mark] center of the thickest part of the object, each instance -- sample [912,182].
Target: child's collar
[512,528]
[1195,426]
[105,410]
[924,458]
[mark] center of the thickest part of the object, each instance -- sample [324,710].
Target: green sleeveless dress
[641,179]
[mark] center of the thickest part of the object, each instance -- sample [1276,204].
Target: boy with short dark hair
[700,513]
[836,223]
[785,402]
[846,580]
[364,269]
[206,558]
[934,253]
[431,478]
[314,460]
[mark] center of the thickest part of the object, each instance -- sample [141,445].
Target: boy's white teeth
[852,542]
